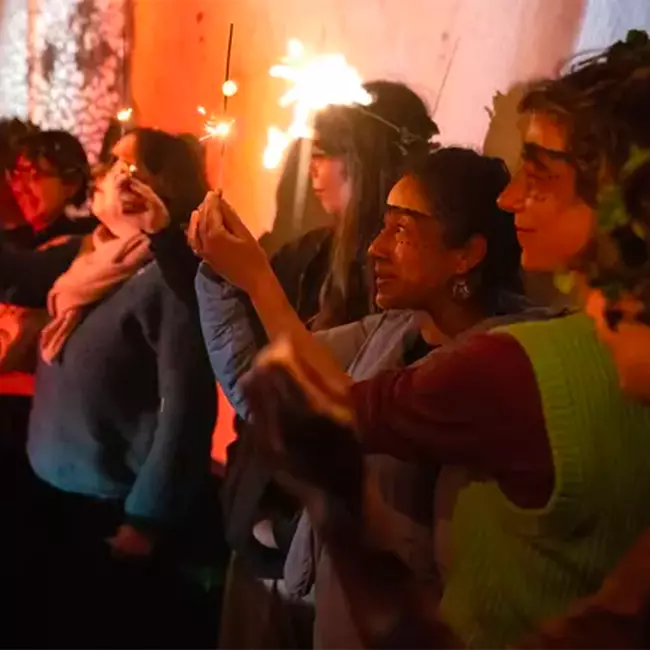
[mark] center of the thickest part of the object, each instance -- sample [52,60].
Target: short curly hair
[603,101]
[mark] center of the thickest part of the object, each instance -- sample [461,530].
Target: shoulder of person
[300,251]
[476,351]
[151,290]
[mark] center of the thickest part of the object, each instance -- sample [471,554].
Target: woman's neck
[579,291]
[441,325]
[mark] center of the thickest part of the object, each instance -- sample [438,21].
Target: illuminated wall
[179,54]
[179,51]
[63,63]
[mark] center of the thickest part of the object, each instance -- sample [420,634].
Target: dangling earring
[460,289]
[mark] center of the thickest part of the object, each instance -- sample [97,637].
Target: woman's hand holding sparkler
[218,236]
[135,201]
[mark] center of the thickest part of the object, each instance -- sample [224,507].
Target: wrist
[156,226]
[264,288]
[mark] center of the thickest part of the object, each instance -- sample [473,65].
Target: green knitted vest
[512,567]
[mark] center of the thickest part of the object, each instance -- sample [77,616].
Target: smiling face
[110,203]
[39,190]
[554,225]
[413,265]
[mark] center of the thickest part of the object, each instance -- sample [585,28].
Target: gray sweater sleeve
[233,334]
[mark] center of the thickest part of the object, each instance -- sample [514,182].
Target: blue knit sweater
[128,409]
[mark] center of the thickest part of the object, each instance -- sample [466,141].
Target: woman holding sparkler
[355,159]
[416,269]
[124,406]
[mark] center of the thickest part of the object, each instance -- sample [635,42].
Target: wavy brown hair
[603,101]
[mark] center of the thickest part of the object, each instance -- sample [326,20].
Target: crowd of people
[424,457]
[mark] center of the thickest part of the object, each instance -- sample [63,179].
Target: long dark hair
[461,187]
[375,142]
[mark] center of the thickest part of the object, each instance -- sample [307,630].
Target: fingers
[325,396]
[223,213]
[192,233]
[232,221]
[143,190]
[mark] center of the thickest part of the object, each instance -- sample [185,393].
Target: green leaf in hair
[612,213]
[638,158]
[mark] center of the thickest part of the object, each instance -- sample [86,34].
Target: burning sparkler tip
[229,88]
[124,114]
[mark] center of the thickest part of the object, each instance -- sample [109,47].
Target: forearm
[615,616]
[275,311]
[311,363]
[177,262]
[231,331]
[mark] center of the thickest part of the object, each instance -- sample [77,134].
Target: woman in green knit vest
[617,268]
[556,453]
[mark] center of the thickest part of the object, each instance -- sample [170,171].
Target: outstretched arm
[391,607]
[219,237]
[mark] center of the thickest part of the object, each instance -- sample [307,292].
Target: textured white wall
[608,20]
[14,21]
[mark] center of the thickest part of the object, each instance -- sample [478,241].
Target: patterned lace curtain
[63,64]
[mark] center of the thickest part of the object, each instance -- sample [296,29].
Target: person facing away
[547,514]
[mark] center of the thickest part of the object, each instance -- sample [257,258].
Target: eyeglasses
[32,172]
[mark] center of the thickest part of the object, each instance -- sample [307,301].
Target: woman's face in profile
[112,200]
[331,182]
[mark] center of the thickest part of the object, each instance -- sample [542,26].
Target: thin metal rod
[222,157]
[231,31]
[445,77]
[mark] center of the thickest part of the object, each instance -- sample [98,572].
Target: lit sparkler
[316,82]
[213,127]
[124,115]
[221,128]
